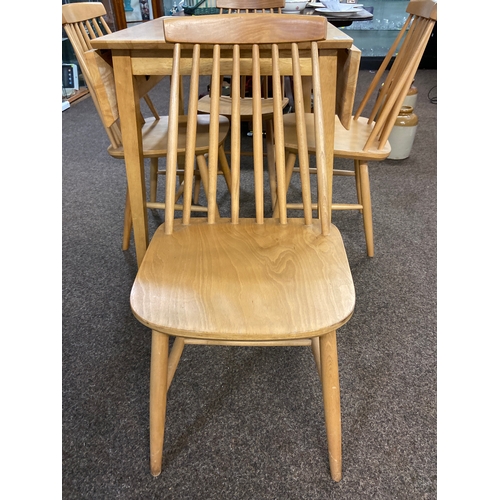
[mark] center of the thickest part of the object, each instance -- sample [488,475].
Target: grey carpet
[247,423]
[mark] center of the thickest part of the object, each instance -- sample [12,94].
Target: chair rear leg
[271,167]
[153,178]
[158,399]
[197,188]
[289,168]
[364,180]
[203,169]
[331,401]
[358,185]
[316,354]
[174,358]
[225,167]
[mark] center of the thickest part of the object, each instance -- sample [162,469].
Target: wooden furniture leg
[358,183]
[316,353]
[225,167]
[132,144]
[364,181]
[158,398]
[153,178]
[174,358]
[127,223]
[331,399]
[271,168]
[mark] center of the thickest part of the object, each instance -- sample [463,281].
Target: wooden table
[142,50]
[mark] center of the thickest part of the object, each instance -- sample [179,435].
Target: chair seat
[154,136]
[244,281]
[348,143]
[245,103]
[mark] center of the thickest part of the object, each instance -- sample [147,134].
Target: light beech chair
[84,22]
[244,281]
[246,103]
[365,139]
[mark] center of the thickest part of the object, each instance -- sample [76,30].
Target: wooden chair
[245,281]
[246,103]
[84,22]
[366,138]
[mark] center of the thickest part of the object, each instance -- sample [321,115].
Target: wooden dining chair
[365,139]
[84,22]
[245,281]
[246,102]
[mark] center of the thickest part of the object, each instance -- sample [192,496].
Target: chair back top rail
[245,29]
[411,41]
[82,11]
[423,8]
[266,32]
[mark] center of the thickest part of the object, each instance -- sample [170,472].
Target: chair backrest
[412,41]
[250,6]
[84,22]
[257,45]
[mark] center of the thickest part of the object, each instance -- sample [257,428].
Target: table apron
[160,63]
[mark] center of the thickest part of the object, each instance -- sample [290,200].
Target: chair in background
[245,281]
[366,139]
[246,103]
[84,22]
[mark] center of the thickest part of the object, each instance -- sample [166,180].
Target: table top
[149,35]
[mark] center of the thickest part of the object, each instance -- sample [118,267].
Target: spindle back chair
[254,281]
[366,138]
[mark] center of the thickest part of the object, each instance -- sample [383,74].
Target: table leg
[126,93]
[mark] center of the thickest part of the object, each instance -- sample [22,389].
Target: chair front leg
[331,401]
[158,399]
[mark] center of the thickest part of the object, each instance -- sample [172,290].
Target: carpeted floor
[247,423]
